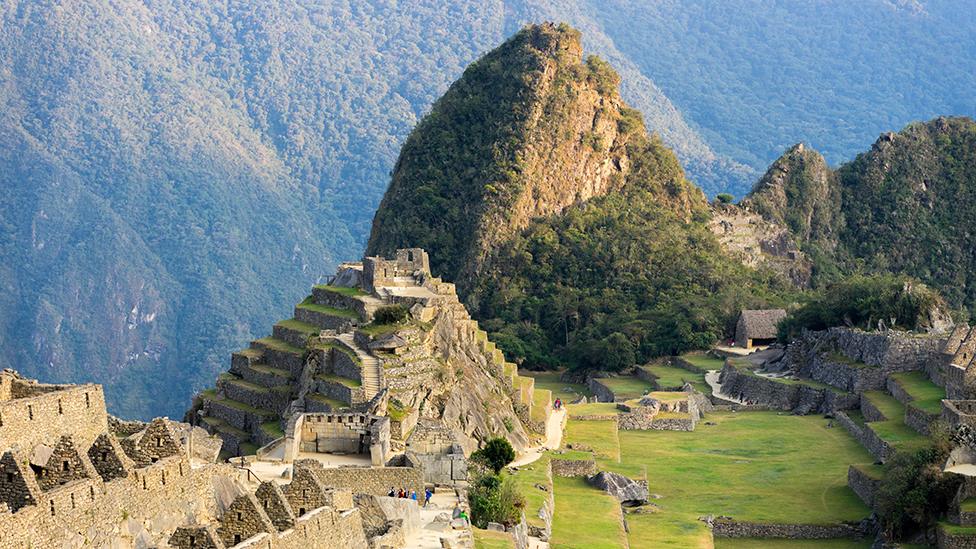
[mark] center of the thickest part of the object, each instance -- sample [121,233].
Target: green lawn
[968,505]
[706,362]
[926,395]
[279,345]
[350,292]
[886,404]
[489,539]
[526,478]
[299,326]
[568,392]
[746,543]
[326,310]
[599,435]
[896,433]
[592,409]
[757,466]
[672,377]
[627,387]
[585,518]
[541,400]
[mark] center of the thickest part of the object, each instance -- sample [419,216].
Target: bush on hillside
[390,314]
[495,498]
[496,454]
[864,301]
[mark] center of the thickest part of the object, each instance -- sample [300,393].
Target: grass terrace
[886,404]
[489,539]
[585,518]
[329,345]
[279,345]
[541,400]
[627,387]
[322,399]
[341,290]
[893,431]
[273,428]
[926,396]
[756,466]
[374,330]
[550,381]
[326,310]
[705,362]
[601,435]
[527,477]
[351,383]
[583,411]
[840,358]
[673,377]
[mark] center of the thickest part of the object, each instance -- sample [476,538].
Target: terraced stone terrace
[672,377]
[627,387]
[894,431]
[924,394]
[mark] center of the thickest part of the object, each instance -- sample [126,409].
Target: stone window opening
[87,401]
[301,511]
[104,455]
[1,420]
[159,442]
[72,501]
[60,408]
[240,516]
[153,459]
[181,469]
[163,477]
[65,466]
[193,541]
[30,412]
[52,508]
[237,539]
[91,492]
[10,478]
[144,487]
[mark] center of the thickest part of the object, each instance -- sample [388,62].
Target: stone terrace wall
[167,488]
[864,486]
[893,350]
[572,467]
[875,445]
[375,481]
[323,527]
[78,411]
[724,528]
[600,391]
[955,541]
[918,419]
[767,392]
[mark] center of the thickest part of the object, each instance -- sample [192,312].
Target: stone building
[69,478]
[338,433]
[434,448]
[757,328]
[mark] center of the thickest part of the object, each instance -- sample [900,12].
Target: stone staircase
[372,369]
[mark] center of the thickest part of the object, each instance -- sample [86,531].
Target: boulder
[627,491]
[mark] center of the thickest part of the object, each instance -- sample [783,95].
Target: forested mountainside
[905,206]
[176,172]
[573,235]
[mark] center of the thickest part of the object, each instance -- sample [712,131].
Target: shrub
[390,314]
[725,198]
[495,499]
[496,454]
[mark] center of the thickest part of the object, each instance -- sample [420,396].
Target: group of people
[411,494]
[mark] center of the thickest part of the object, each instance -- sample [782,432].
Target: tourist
[427,495]
[456,513]
[413,495]
[392,492]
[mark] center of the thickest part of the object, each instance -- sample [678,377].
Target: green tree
[496,454]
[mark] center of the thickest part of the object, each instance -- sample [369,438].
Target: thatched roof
[759,324]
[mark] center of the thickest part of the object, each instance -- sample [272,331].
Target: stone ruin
[338,433]
[70,476]
[434,448]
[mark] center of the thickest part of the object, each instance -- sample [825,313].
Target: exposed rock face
[626,490]
[757,242]
[527,131]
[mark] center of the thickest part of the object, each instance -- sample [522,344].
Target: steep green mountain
[574,235]
[176,172]
[905,206]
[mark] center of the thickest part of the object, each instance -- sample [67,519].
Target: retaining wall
[724,528]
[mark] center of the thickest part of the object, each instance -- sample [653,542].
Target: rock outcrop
[628,492]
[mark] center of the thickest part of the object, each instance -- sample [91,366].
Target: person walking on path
[427,495]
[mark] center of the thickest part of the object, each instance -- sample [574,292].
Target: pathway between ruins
[711,377]
[554,437]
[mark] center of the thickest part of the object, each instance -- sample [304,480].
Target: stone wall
[892,350]
[959,412]
[375,481]
[601,392]
[949,540]
[871,412]
[727,528]
[338,432]
[862,484]
[322,528]
[78,411]
[874,444]
[918,419]
[755,389]
[572,467]
[149,499]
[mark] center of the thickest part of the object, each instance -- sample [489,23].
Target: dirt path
[554,437]
[711,378]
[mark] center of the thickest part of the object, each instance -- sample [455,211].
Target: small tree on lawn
[496,454]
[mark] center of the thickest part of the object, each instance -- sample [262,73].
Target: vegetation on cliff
[903,207]
[867,301]
[575,237]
